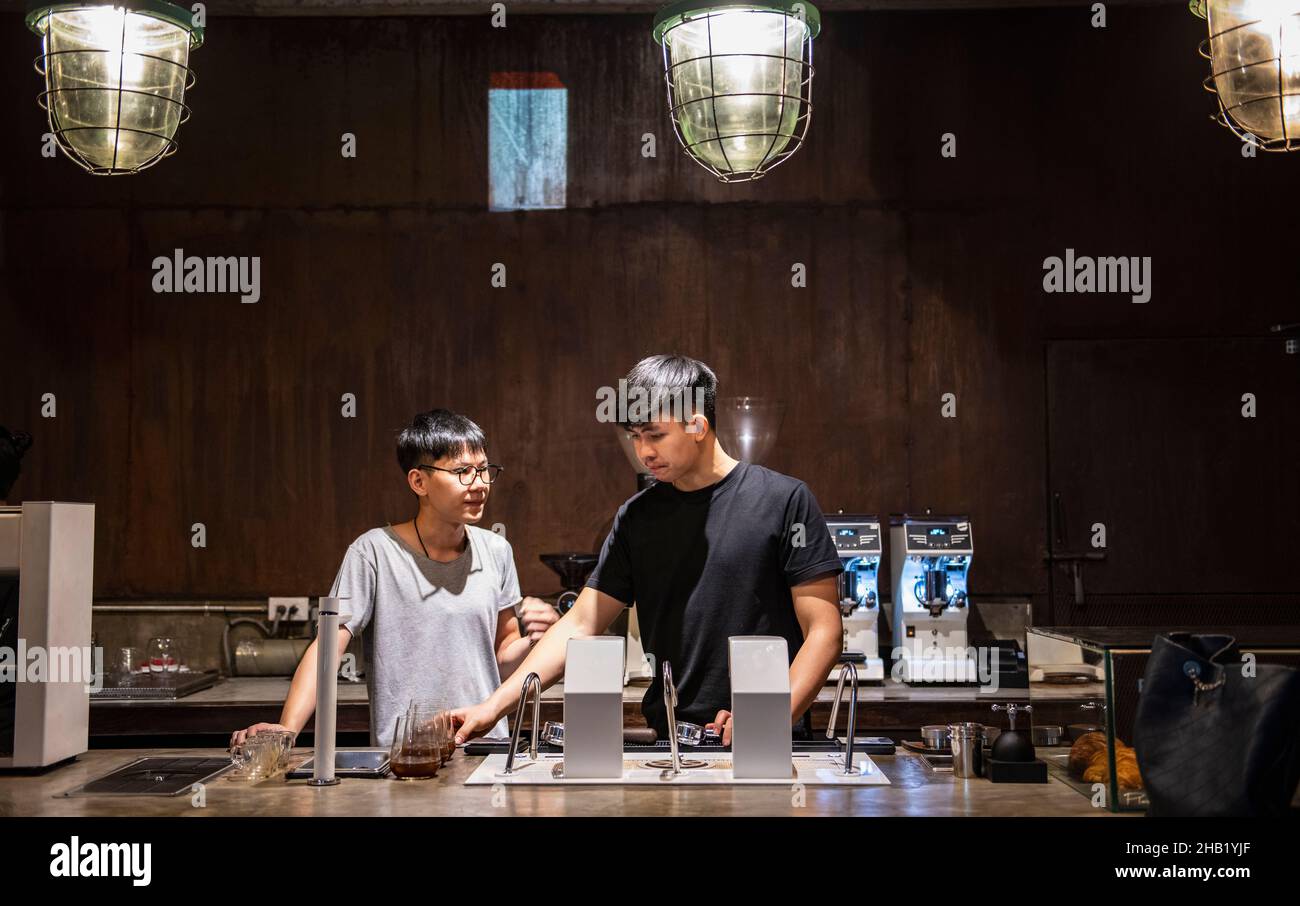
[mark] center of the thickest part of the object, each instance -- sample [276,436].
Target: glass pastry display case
[1095,754]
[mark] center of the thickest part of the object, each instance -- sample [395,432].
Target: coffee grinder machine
[573,569]
[857,540]
[929,559]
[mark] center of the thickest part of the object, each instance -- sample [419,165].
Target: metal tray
[156,687]
[348,763]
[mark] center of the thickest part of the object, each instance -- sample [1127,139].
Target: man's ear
[415,479]
[698,426]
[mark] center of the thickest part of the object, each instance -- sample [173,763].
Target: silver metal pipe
[534,682]
[206,608]
[327,670]
[670,705]
[848,671]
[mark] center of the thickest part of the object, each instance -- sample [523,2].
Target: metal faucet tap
[1012,709]
[670,705]
[534,682]
[850,672]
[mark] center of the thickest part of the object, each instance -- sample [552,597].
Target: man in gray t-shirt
[425,622]
[436,599]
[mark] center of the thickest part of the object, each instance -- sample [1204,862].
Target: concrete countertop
[914,790]
[273,690]
[892,709]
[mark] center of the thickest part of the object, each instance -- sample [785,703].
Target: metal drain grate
[154,776]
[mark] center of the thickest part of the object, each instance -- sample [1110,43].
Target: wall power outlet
[297,616]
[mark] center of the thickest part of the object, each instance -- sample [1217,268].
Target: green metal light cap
[39,10]
[683,10]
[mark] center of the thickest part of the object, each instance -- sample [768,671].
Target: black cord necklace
[415,523]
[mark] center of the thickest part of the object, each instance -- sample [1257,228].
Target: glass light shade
[1254,51]
[739,82]
[115,81]
[748,426]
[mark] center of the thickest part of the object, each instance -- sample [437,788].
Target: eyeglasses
[486,473]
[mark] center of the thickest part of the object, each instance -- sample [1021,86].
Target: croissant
[1089,762]
[1082,751]
[1126,769]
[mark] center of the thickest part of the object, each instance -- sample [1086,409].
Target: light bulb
[738,79]
[115,81]
[1255,54]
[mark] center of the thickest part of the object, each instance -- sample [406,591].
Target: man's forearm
[814,662]
[300,703]
[512,655]
[301,700]
[546,660]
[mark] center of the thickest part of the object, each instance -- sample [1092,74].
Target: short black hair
[660,375]
[13,444]
[437,433]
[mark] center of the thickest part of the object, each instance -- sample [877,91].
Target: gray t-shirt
[430,628]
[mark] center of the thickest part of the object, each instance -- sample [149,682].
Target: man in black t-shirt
[717,548]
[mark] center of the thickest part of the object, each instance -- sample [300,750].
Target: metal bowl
[1047,734]
[935,736]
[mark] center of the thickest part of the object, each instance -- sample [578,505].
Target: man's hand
[720,725]
[237,738]
[472,721]
[535,617]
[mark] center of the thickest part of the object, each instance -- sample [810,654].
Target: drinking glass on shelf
[123,664]
[133,659]
[164,656]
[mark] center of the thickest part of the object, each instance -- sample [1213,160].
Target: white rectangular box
[51,547]
[593,707]
[760,707]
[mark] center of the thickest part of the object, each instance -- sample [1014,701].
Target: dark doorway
[1199,503]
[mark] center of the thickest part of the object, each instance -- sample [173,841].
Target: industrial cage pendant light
[115,74]
[1254,53]
[739,79]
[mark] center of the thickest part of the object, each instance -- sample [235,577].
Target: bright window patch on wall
[528,141]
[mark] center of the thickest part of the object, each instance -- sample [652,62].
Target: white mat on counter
[811,770]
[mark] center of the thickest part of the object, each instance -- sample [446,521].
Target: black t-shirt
[706,565]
